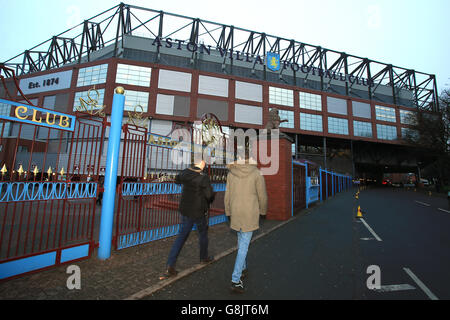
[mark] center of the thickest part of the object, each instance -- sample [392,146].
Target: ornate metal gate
[50,168]
[148,196]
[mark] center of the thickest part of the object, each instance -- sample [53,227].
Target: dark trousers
[186,227]
[100,197]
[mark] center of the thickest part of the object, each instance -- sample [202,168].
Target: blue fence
[41,191]
[311,184]
[332,183]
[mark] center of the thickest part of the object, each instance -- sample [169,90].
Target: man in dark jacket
[196,197]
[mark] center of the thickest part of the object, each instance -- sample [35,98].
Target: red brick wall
[279,185]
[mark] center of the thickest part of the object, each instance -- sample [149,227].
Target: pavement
[130,273]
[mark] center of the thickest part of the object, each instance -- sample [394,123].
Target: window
[134,75]
[77,106]
[385,113]
[281,96]
[248,114]
[49,102]
[174,80]
[386,132]
[248,91]
[362,129]
[407,117]
[310,101]
[336,105]
[410,133]
[161,127]
[213,86]
[361,109]
[135,98]
[172,105]
[92,75]
[219,108]
[311,122]
[286,115]
[337,125]
[5,110]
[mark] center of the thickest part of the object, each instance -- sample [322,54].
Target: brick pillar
[279,185]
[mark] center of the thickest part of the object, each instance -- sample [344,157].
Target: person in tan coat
[245,201]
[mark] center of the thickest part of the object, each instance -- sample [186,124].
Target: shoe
[207,260]
[244,274]
[237,287]
[170,272]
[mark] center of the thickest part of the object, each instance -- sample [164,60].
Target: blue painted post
[320,183]
[332,184]
[307,185]
[112,160]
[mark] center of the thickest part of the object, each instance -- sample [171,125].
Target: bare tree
[430,133]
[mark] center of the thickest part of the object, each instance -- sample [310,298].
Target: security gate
[148,196]
[298,186]
[50,167]
[52,173]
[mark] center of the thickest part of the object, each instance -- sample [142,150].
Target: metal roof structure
[109,29]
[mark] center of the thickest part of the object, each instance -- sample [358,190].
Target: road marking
[367,239]
[395,287]
[371,230]
[421,284]
[444,210]
[423,203]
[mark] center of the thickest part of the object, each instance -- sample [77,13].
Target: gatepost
[278,184]
[112,160]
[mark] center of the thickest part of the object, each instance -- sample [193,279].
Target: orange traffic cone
[359,213]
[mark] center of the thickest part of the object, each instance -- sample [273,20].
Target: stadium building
[343,112]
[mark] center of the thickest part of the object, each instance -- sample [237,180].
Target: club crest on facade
[273,61]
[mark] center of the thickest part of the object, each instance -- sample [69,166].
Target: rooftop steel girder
[59,54]
[226,41]
[62,51]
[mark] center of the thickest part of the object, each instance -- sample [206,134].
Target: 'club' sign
[38,116]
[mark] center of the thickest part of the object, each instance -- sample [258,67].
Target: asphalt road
[327,254]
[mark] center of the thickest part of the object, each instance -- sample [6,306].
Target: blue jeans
[240,264]
[186,228]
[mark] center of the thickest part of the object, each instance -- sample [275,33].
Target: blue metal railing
[314,190]
[154,188]
[35,191]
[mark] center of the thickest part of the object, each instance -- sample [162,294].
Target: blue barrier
[142,237]
[42,191]
[343,183]
[314,188]
[154,188]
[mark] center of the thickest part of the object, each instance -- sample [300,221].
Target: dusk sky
[405,33]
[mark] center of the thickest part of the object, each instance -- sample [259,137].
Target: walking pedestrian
[196,197]
[245,201]
[100,187]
